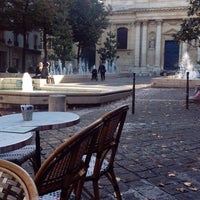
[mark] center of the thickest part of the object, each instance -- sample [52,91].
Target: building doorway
[88,55]
[171,56]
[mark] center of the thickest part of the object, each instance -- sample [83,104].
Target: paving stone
[160,143]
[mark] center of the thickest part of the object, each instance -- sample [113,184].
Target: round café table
[13,141]
[40,121]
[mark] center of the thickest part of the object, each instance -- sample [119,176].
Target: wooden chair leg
[96,189]
[112,178]
[78,190]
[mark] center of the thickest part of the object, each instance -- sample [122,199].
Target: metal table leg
[38,150]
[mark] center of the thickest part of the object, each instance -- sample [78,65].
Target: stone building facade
[145,29]
[11,48]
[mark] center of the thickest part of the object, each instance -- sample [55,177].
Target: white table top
[41,121]
[15,124]
[13,141]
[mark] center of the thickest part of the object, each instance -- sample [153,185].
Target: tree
[24,16]
[21,15]
[190,28]
[88,18]
[108,52]
[4,19]
[46,15]
[21,19]
[63,42]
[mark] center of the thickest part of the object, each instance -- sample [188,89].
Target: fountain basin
[173,82]
[77,93]
[10,99]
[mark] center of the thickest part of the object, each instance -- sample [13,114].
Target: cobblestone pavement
[159,153]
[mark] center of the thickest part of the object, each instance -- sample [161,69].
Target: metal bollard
[187,91]
[133,95]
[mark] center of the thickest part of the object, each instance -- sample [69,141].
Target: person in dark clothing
[38,71]
[102,71]
[45,70]
[94,74]
[46,73]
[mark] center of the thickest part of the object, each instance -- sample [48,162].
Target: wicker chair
[16,183]
[102,160]
[19,156]
[62,173]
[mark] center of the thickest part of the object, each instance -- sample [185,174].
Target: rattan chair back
[106,148]
[16,183]
[112,129]
[65,169]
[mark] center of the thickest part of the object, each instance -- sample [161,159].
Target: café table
[13,141]
[41,121]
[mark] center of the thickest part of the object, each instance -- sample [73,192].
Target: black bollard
[187,91]
[133,95]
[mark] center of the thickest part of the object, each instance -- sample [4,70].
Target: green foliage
[45,20]
[4,18]
[63,42]
[78,21]
[46,12]
[23,16]
[52,57]
[190,28]
[88,18]
[12,70]
[103,53]
[108,52]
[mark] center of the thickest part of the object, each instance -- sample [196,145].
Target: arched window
[122,35]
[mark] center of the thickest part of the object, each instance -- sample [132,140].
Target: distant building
[11,47]
[144,30]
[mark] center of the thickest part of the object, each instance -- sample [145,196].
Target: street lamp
[9,42]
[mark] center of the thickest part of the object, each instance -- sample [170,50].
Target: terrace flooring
[159,153]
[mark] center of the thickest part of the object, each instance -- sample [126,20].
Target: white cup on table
[27,112]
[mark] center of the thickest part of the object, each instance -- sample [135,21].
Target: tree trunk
[78,55]
[45,45]
[24,53]
[63,63]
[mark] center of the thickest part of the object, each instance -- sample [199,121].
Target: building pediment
[171,32]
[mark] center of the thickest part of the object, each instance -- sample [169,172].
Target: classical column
[137,44]
[144,45]
[158,43]
[130,39]
[198,54]
[184,48]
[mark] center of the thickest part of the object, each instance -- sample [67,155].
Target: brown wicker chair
[19,156]
[62,173]
[102,161]
[16,183]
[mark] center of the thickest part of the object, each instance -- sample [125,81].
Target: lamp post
[9,42]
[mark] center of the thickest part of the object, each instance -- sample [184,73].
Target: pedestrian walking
[94,74]
[102,71]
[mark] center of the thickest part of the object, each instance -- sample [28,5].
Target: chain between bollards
[187,91]
[133,95]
